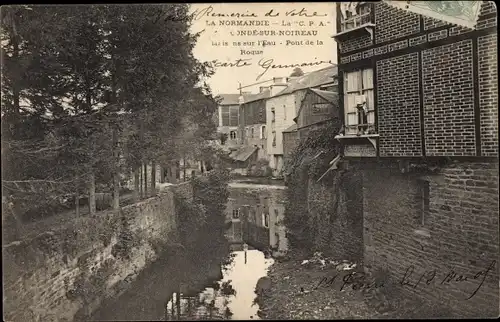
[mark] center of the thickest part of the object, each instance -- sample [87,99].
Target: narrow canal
[210,288]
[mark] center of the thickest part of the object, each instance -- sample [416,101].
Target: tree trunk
[139,171]
[137,183]
[153,178]
[184,167]
[77,197]
[178,301]
[16,92]
[92,204]
[116,191]
[116,174]
[162,177]
[145,180]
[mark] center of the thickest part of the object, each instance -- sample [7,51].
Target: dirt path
[294,295]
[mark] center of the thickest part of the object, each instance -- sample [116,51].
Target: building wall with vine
[323,213]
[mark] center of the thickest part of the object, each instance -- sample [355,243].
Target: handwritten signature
[355,280]
[451,277]
[209,12]
[266,64]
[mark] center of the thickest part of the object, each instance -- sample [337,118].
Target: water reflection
[231,298]
[208,289]
[255,216]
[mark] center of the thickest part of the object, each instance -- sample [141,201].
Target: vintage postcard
[250,161]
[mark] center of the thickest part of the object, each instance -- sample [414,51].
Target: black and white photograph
[250,161]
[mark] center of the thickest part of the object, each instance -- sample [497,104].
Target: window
[233,115]
[354,14]
[251,217]
[225,112]
[263,132]
[320,108]
[265,220]
[273,115]
[232,135]
[423,201]
[274,138]
[252,132]
[359,105]
[284,112]
[236,214]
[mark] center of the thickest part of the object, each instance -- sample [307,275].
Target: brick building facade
[426,143]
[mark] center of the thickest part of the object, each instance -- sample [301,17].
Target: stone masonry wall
[64,274]
[459,234]
[335,213]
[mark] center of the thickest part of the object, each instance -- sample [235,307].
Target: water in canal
[255,213]
[232,297]
[197,289]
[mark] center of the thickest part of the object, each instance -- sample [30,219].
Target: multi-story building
[421,125]
[252,124]
[228,118]
[282,108]
[316,109]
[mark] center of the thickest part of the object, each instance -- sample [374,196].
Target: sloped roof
[292,128]
[312,79]
[229,99]
[243,153]
[331,97]
[234,99]
[255,97]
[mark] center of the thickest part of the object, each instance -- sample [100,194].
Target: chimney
[263,88]
[278,80]
[279,84]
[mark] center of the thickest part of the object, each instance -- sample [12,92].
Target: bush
[202,219]
[308,162]
[260,168]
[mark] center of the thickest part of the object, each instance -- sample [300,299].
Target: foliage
[312,151]
[202,219]
[192,217]
[259,168]
[297,71]
[127,240]
[308,161]
[75,75]
[223,138]
[227,289]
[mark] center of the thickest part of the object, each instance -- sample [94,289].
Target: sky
[280,50]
